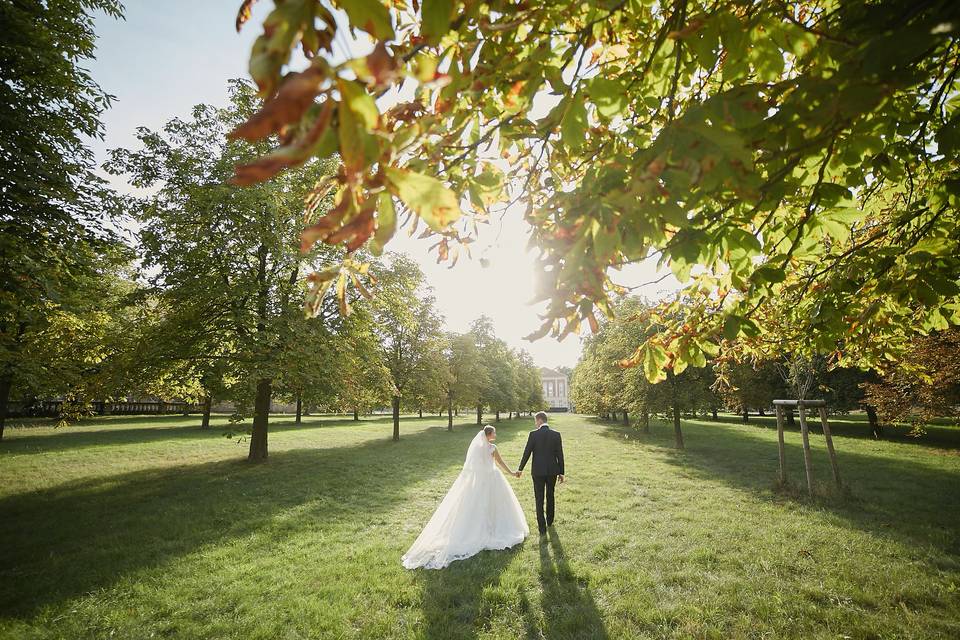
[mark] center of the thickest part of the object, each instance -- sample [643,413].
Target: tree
[73,351]
[464,372]
[365,381]
[529,395]
[233,293]
[407,326]
[924,385]
[498,384]
[752,386]
[602,384]
[54,236]
[801,156]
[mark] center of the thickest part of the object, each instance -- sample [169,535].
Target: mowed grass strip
[150,527]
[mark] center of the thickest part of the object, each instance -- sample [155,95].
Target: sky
[167,56]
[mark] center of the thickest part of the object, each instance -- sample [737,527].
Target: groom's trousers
[544,485]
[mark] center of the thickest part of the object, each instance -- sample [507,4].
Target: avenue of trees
[792,163]
[206,302]
[924,385]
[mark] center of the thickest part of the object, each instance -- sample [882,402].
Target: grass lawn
[150,527]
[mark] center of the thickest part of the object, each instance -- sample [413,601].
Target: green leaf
[749,328]
[436,16]
[487,188]
[654,360]
[742,239]
[830,194]
[386,223]
[768,274]
[573,127]
[731,327]
[371,16]
[360,103]
[425,195]
[609,96]
[425,66]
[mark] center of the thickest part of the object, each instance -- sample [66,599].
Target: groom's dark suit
[547,448]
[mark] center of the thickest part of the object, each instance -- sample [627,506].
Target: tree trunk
[6,382]
[261,403]
[791,421]
[356,414]
[479,415]
[299,418]
[421,412]
[875,428]
[261,418]
[760,412]
[746,416]
[676,426]
[207,404]
[714,414]
[396,418]
[456,412]
[626,418]
[498,415]
[646,421]
[449,412]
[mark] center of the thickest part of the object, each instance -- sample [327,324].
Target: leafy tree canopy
[792,162]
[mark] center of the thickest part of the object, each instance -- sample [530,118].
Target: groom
[547,449]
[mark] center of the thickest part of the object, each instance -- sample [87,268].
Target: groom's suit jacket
[547,448]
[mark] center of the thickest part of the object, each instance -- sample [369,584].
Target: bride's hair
[488,430]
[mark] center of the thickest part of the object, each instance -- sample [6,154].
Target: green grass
[150,527]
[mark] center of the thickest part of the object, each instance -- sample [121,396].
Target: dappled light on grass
[174,534]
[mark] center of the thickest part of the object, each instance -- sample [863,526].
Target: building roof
[550,373]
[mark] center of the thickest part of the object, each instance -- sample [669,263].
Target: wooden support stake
[783,469]
[829,438]
[806,446]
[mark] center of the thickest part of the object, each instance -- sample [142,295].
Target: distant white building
[556,389]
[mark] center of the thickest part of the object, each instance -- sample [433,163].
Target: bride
[480,511]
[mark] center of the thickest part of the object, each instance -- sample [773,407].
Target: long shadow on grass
[569,610]
[453,602]
[888,496]
[99,432]
[941,435]
[81,536]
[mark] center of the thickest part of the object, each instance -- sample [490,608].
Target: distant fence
[53,408]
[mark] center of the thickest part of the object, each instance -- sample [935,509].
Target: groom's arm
[526,452]
[560,453]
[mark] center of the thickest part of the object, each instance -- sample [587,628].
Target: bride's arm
[501,463]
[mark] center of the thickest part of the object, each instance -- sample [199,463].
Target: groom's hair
[541,416]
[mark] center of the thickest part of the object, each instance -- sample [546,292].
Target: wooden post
[806,445]
[783,467]
[829,438]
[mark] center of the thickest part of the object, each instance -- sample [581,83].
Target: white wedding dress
[480,511]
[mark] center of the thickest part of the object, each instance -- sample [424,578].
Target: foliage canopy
[792,162]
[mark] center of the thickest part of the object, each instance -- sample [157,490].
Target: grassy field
[149,527]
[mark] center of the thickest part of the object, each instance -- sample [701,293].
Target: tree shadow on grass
[454,606]
[99,432]
[887,496]
[941,434]
[569,610]
[82,536]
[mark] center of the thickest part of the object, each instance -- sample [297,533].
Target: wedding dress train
[480,511]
